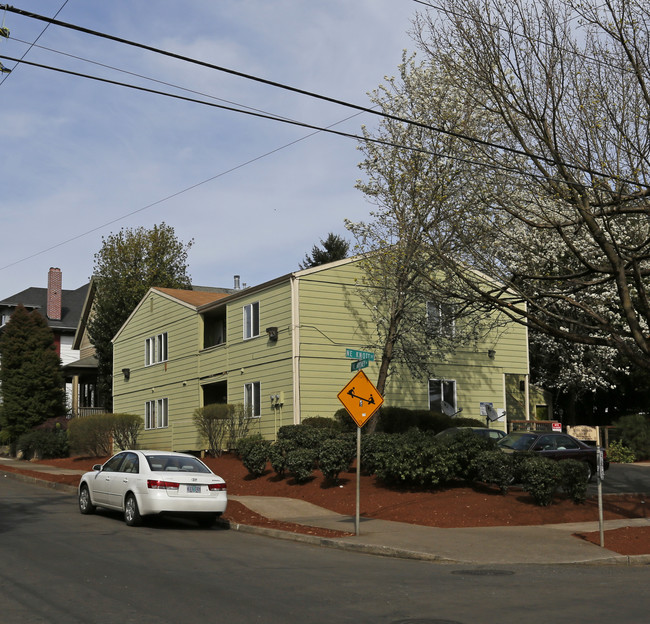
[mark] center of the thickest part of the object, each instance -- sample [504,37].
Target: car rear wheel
[85,504]
[132,515]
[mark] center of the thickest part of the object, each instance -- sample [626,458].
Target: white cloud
[79,154]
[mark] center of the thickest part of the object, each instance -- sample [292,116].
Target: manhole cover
[484,572]
[426,621]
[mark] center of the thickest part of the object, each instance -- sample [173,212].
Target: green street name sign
[359,364]
[360,355]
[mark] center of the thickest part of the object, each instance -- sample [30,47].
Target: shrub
[238,424]
[495,467]
[91,435]
[278,454]
[213,423]
[619,453]
[345,421]
[461,450]
[256,457]
[43,443]
[414,459]
[321,422]
[540,477]
[126,430]
[373,449]
[243,444]
[300,463]
[303,436]
[634,432]
[335,456]
[574,481]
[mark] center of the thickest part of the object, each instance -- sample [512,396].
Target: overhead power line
[279,85]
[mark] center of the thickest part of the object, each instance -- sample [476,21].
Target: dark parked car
[484,432]
[554,446]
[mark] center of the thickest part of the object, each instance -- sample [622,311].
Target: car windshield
[518,441]
[173,463]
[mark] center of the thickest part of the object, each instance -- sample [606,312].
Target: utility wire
[35,40]
[301,124]
[311,94]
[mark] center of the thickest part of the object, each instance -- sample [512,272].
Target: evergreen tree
[30,374]
[127,265]
[334,247]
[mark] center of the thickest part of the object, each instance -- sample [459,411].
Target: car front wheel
[132,515]
[85,503]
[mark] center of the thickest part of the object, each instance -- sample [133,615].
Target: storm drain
[426,621]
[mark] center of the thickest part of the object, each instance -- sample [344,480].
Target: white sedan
[144,483]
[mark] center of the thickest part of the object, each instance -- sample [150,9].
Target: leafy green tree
[30,374]
[334,247]
[127,265]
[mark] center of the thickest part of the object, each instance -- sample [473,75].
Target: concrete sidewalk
[546,544]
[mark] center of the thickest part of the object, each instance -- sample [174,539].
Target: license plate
[193,489]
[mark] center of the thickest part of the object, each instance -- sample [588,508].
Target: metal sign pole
[600,469]
[356,517]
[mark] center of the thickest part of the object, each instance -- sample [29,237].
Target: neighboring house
[280,348]
[60,308]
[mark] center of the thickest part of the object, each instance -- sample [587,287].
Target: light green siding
[318,313]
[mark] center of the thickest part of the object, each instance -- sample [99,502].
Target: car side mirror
[97,467]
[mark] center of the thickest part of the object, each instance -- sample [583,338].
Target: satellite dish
[492,413]
[448,409]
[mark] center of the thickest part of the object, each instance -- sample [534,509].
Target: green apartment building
[280,348]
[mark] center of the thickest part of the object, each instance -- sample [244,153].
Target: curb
[340,544]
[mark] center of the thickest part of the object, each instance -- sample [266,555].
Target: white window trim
[156,349]
[251,311]
[156,414]
[251,400]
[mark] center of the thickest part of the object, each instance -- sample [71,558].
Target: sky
[83,159]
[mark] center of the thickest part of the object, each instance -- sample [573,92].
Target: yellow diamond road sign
[360,398]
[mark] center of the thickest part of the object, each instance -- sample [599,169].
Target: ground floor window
[442,396]
[156,414]
[252,398]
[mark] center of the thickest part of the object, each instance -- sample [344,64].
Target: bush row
[95,435]
[412,459]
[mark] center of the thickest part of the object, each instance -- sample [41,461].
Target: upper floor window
[214,329]
[252,320]
[441,318]
[156,414]
[155,349]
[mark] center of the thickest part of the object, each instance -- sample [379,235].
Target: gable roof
[72,302]
[195,298]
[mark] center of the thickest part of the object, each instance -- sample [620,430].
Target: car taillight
[216,487]
[154,484]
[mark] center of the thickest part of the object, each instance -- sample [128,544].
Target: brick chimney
[54,282]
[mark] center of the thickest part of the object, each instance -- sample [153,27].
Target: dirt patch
[461,506]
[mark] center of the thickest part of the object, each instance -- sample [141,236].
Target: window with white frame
[442,396]
[252,320]
[155,349]
[156,414]
[252,398]
[441,318]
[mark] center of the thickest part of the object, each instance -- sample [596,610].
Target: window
[442,396]
[252,320]
[252,398]
[155,349]
[156,414]
[441,318]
